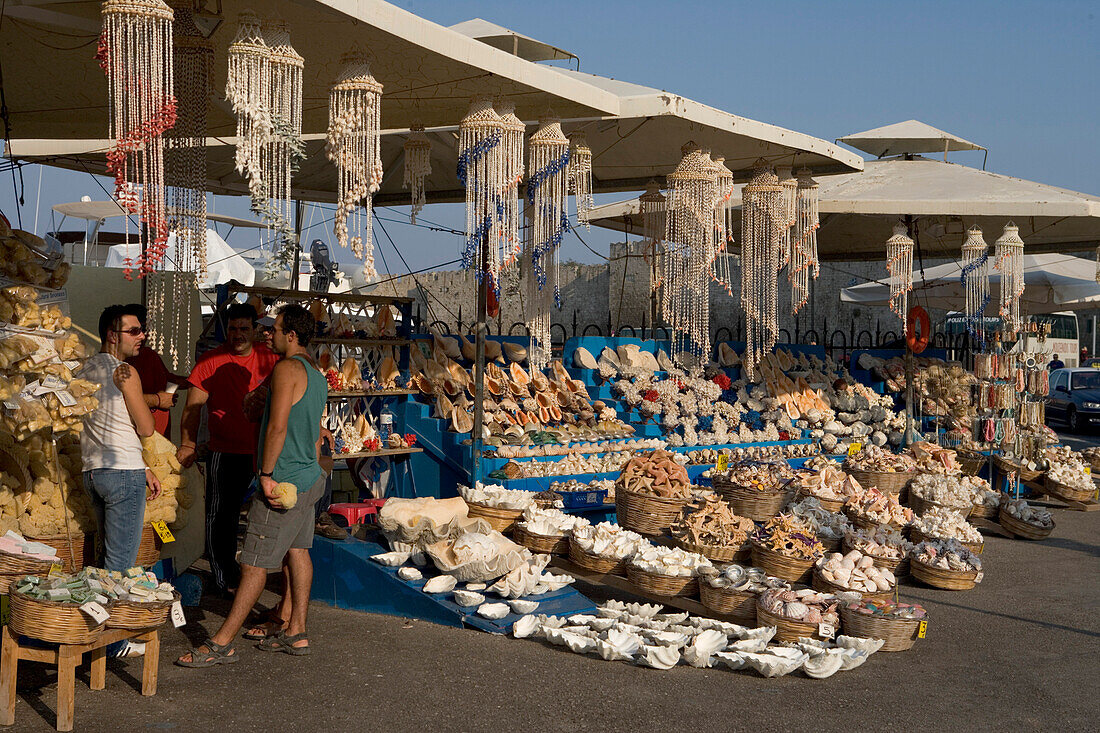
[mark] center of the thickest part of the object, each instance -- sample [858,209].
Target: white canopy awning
[1052,282]
[911,136]
[100,210]
[859,210]
[510,41]
[223,262]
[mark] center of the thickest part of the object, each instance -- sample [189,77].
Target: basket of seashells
[829,484]
[874,508]
[957,493]
[947,524]
[666,571]
[897,624]
[970,462]
[755,489]
[709,527]
[987,502]
[946,564]
[546,530]
[853,572]
[786,547]
[604,548]
[1022,520]
[1069,482]
[732,591]
[875,467]
[800,614]
[651,490]
[887,547]
[498,506]
[1026,471]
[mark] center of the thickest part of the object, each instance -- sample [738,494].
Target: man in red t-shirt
[221,380]
[155,378]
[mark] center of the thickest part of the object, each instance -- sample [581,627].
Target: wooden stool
[66,657]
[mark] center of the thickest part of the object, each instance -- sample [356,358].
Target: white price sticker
[97,612]
[8,404]
[826,630]
[178,619]
[51,382]
[979,576]
[65,398]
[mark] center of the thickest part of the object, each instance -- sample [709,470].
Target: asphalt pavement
[1017,653]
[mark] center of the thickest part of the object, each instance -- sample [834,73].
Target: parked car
[1075,397]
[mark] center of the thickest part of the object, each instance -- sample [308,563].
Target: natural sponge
[286,494]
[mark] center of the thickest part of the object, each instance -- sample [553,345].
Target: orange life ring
[916,343]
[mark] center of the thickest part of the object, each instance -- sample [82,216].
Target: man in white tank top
[115,475]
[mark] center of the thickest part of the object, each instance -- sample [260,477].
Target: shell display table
[66,657]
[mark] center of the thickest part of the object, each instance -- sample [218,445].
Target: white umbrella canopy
[429,72]
[223,262]
[1052,283]
[911,136]
[859,210]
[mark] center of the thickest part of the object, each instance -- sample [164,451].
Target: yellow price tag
[723,462]
[5,610]
[55,570]
[1088,470]
[854,448]
[923,629]
[163,532]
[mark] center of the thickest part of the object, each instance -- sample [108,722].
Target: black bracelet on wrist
[265,474]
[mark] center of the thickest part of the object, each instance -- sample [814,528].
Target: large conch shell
[324,359]
[458,375]
[423,384]
[319,311]
[727,355]
[468,348]
[493,352]
[353,378]
[461,421]
[384,321]
[494,386]
[519,376]
[387,373]
[443,407]
[514,352]
[448,345]
[583,359]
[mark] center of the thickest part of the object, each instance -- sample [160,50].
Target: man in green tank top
[288,453]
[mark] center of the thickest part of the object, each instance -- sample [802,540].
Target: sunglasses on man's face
[135,331]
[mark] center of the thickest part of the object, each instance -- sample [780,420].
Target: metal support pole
[908,364]
[299,212]
[479,360]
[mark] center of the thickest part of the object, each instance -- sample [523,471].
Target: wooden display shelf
[370,393]
[380,453]
[332,340]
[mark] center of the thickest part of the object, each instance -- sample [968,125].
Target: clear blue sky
[1017,77]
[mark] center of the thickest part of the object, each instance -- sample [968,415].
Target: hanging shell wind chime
[899,265]
[1010,262]
[721,270]
[352,144]
[975,278]
[804,265]
[135,52]
[286,149]
[481,171]
[547,190]
[418,166]
[246,90]
[764,216]
[651,208]
[512,151]
[580,176]
[689,253]
[790,205]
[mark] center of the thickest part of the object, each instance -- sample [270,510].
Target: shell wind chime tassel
[352,144]
[246,89]
[764,216]
[651,208]
[689,253]
[135,52]
[481,171]
[418,166]
[512,149]
[899,265]
[1010,262]
[285,149]
[547,190]
[804,264]
[790,205]
[721,271]
[975,278]
[580,176]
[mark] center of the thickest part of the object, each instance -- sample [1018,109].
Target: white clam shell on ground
[493,611]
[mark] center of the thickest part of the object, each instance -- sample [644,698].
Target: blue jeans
[118,497]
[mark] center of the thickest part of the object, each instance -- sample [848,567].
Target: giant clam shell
[865,645]
[391,559]
[493,611]
[522,606]
[441,584]
[657,657]
[409,574]
[468,598]
[526,626]
[825,664]
[703,647]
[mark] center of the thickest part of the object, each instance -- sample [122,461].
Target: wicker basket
[73,551]
[897,566]
[899,633]
[129,615]
[983,511]
[785,629]
[502,520]
[149,550]
[829,505]
[970,463]
[16,469]
[781,566]
[1066,492]
[831,544]
[1022,529]
[920,505]
[662,585]
[945,579]
[11,564]
[918,537]
[738,606]
[716,553]
[546,544]
[825,586]
[862,522]
[644,514]
[60,623]
[888,482]
[1006,466]
[759,506]
[595,563]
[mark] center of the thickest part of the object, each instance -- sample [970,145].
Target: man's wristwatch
[265,474]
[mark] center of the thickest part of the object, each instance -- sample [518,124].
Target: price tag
[163,532]
[178,619]
[5,610]
[52,383]
[97,612]
[65,398]
[723,462]
[8,404]
[1088,470]
[922,629]
[826,630]
[854,448]
[979,576]
[55,570]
